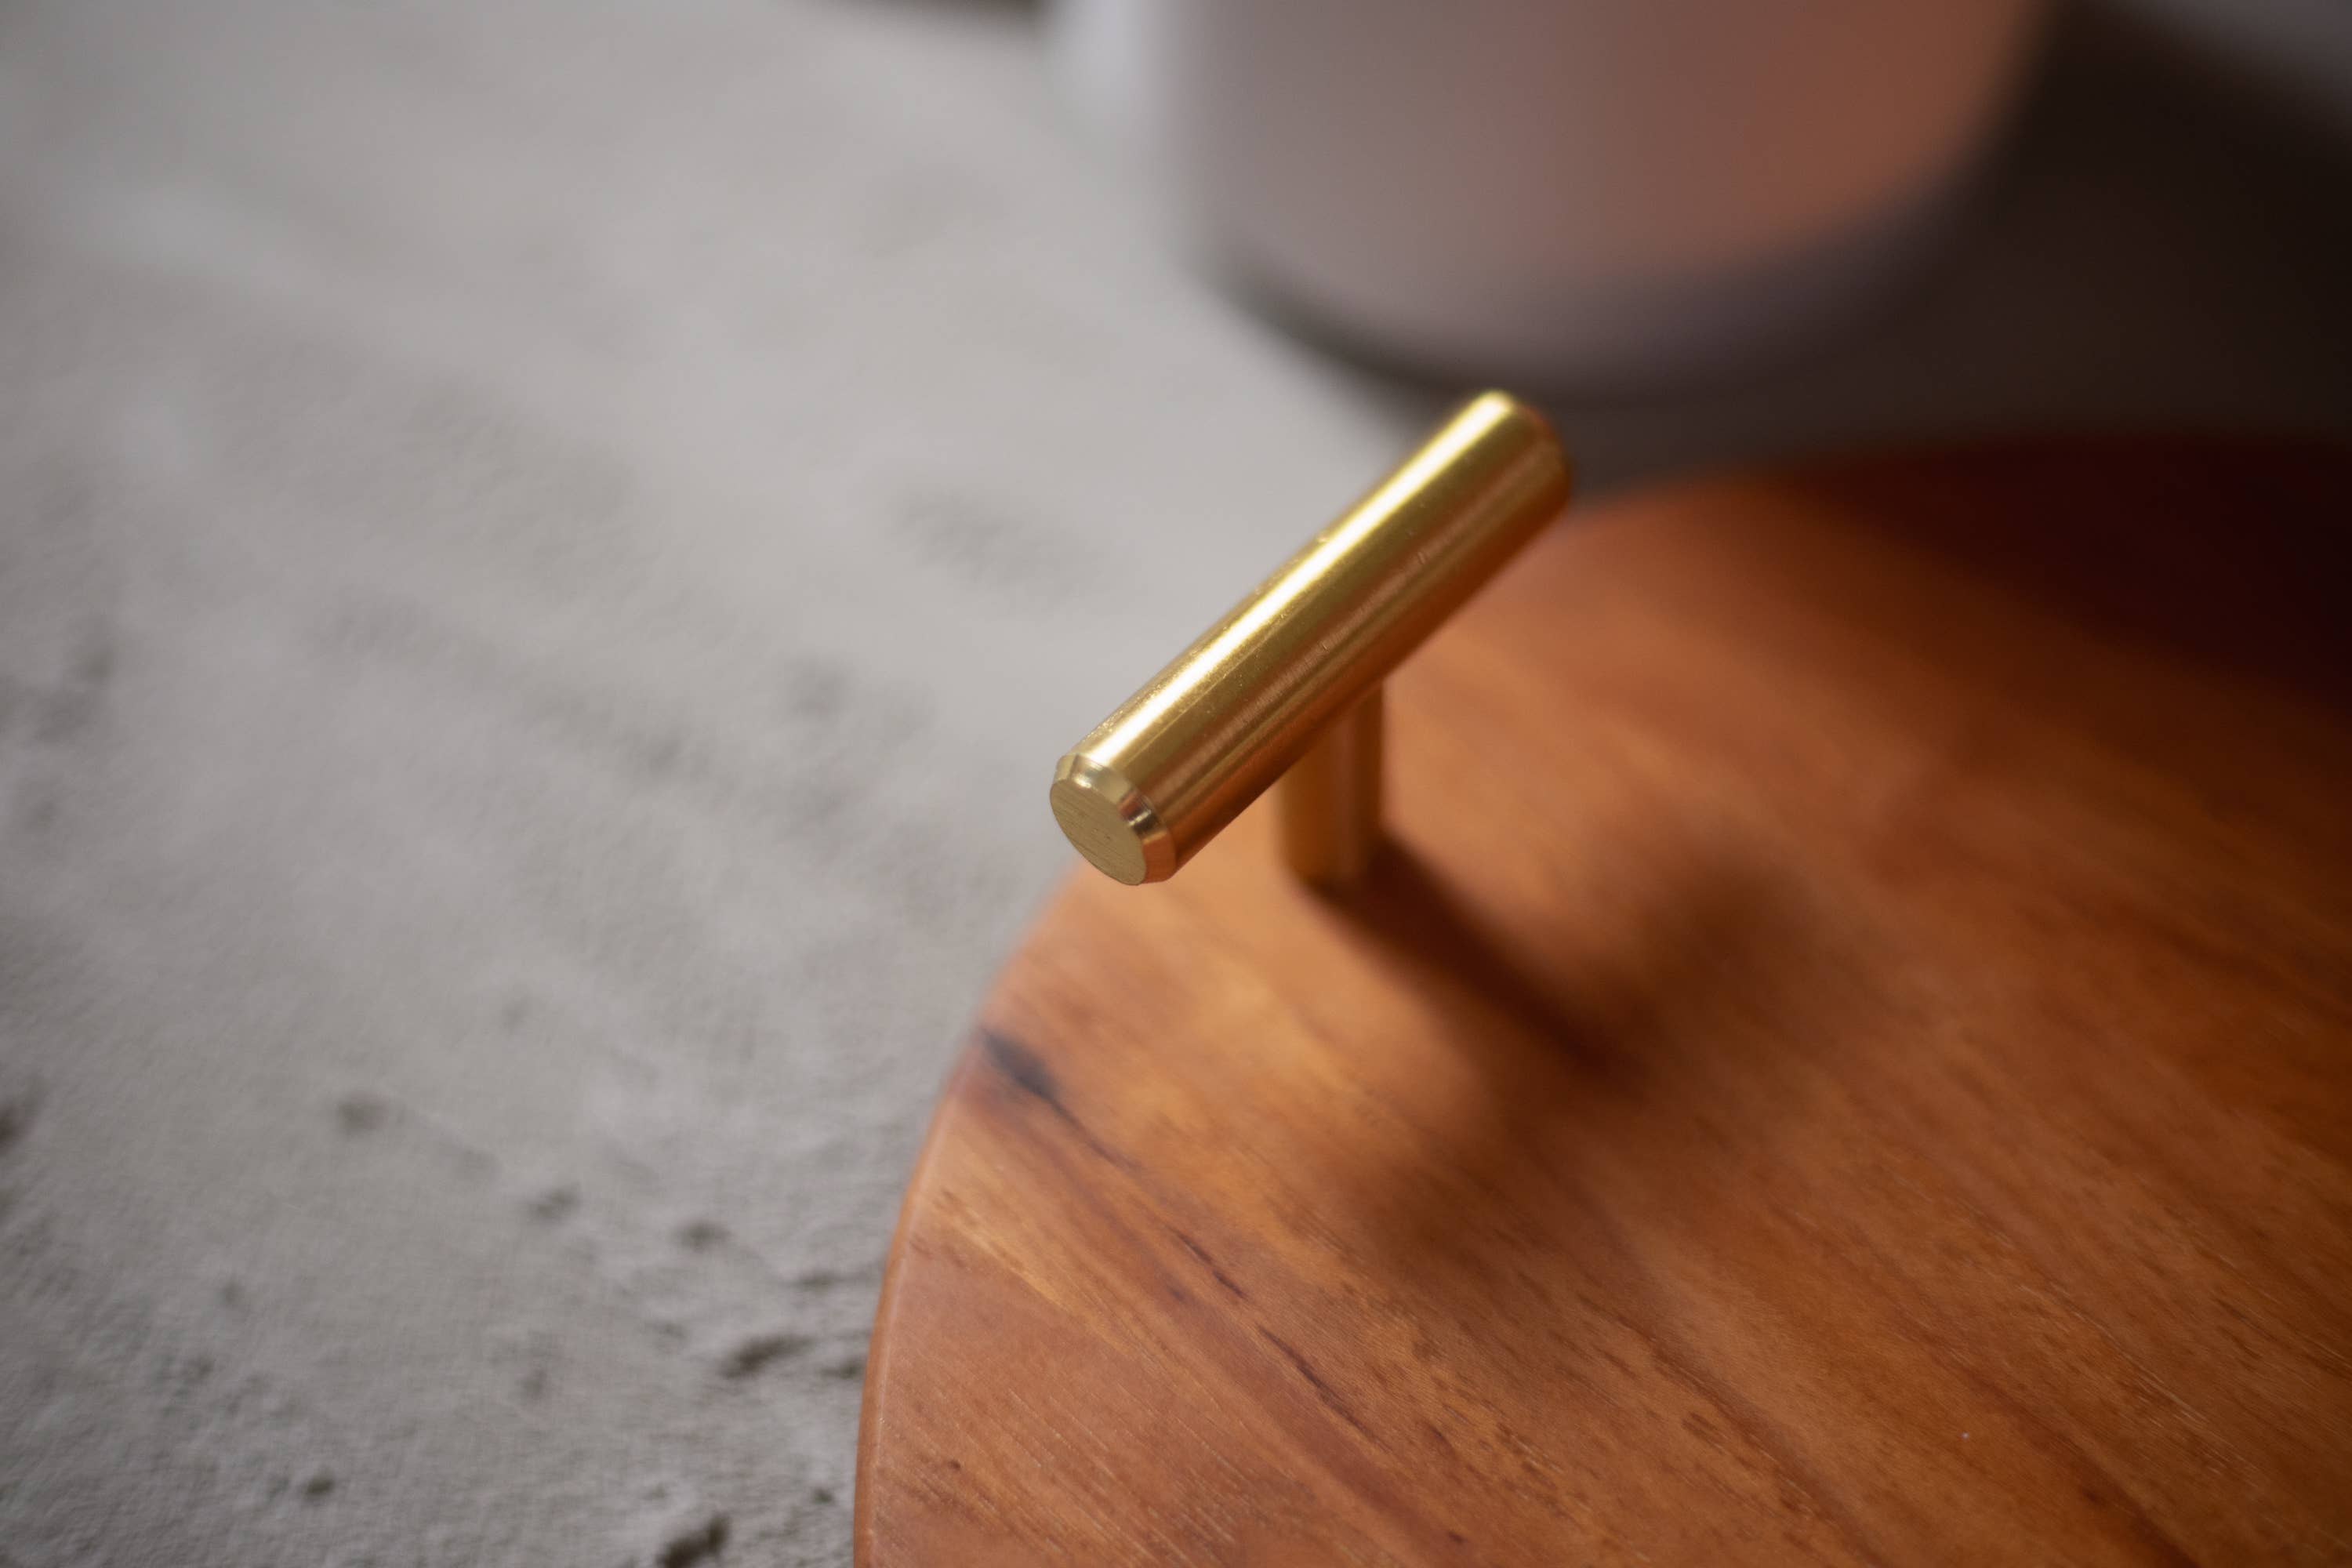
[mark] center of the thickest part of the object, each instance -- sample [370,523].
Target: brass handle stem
[1289,681]
[1330,799]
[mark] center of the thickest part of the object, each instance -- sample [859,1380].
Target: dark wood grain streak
[1849,1059]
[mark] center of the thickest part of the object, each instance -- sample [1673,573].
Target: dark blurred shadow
[1565,1026]
[2234,554]
[1431,932]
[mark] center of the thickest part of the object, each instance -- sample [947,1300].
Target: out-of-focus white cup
[1563,191]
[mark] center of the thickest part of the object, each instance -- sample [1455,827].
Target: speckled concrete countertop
[548,555]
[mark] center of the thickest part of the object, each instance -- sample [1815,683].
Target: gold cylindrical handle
[1179,759]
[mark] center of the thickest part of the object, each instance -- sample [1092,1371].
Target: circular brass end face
[1107,820]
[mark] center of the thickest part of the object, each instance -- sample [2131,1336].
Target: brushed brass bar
[1330,799]
[1179,759]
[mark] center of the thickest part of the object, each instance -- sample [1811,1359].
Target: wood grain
[1849,1060]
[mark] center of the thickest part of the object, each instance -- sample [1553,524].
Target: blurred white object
[1111,56]
[1603,190]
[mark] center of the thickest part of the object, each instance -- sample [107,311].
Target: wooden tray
[1849,1059]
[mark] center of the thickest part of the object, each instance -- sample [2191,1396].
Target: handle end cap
[1107,820]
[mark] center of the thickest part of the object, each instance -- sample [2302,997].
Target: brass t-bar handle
[1287,686]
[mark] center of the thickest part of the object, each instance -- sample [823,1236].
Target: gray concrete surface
[547,551]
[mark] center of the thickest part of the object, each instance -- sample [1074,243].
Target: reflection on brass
[1292,674]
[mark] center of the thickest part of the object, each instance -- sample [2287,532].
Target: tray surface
[1848,1059]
